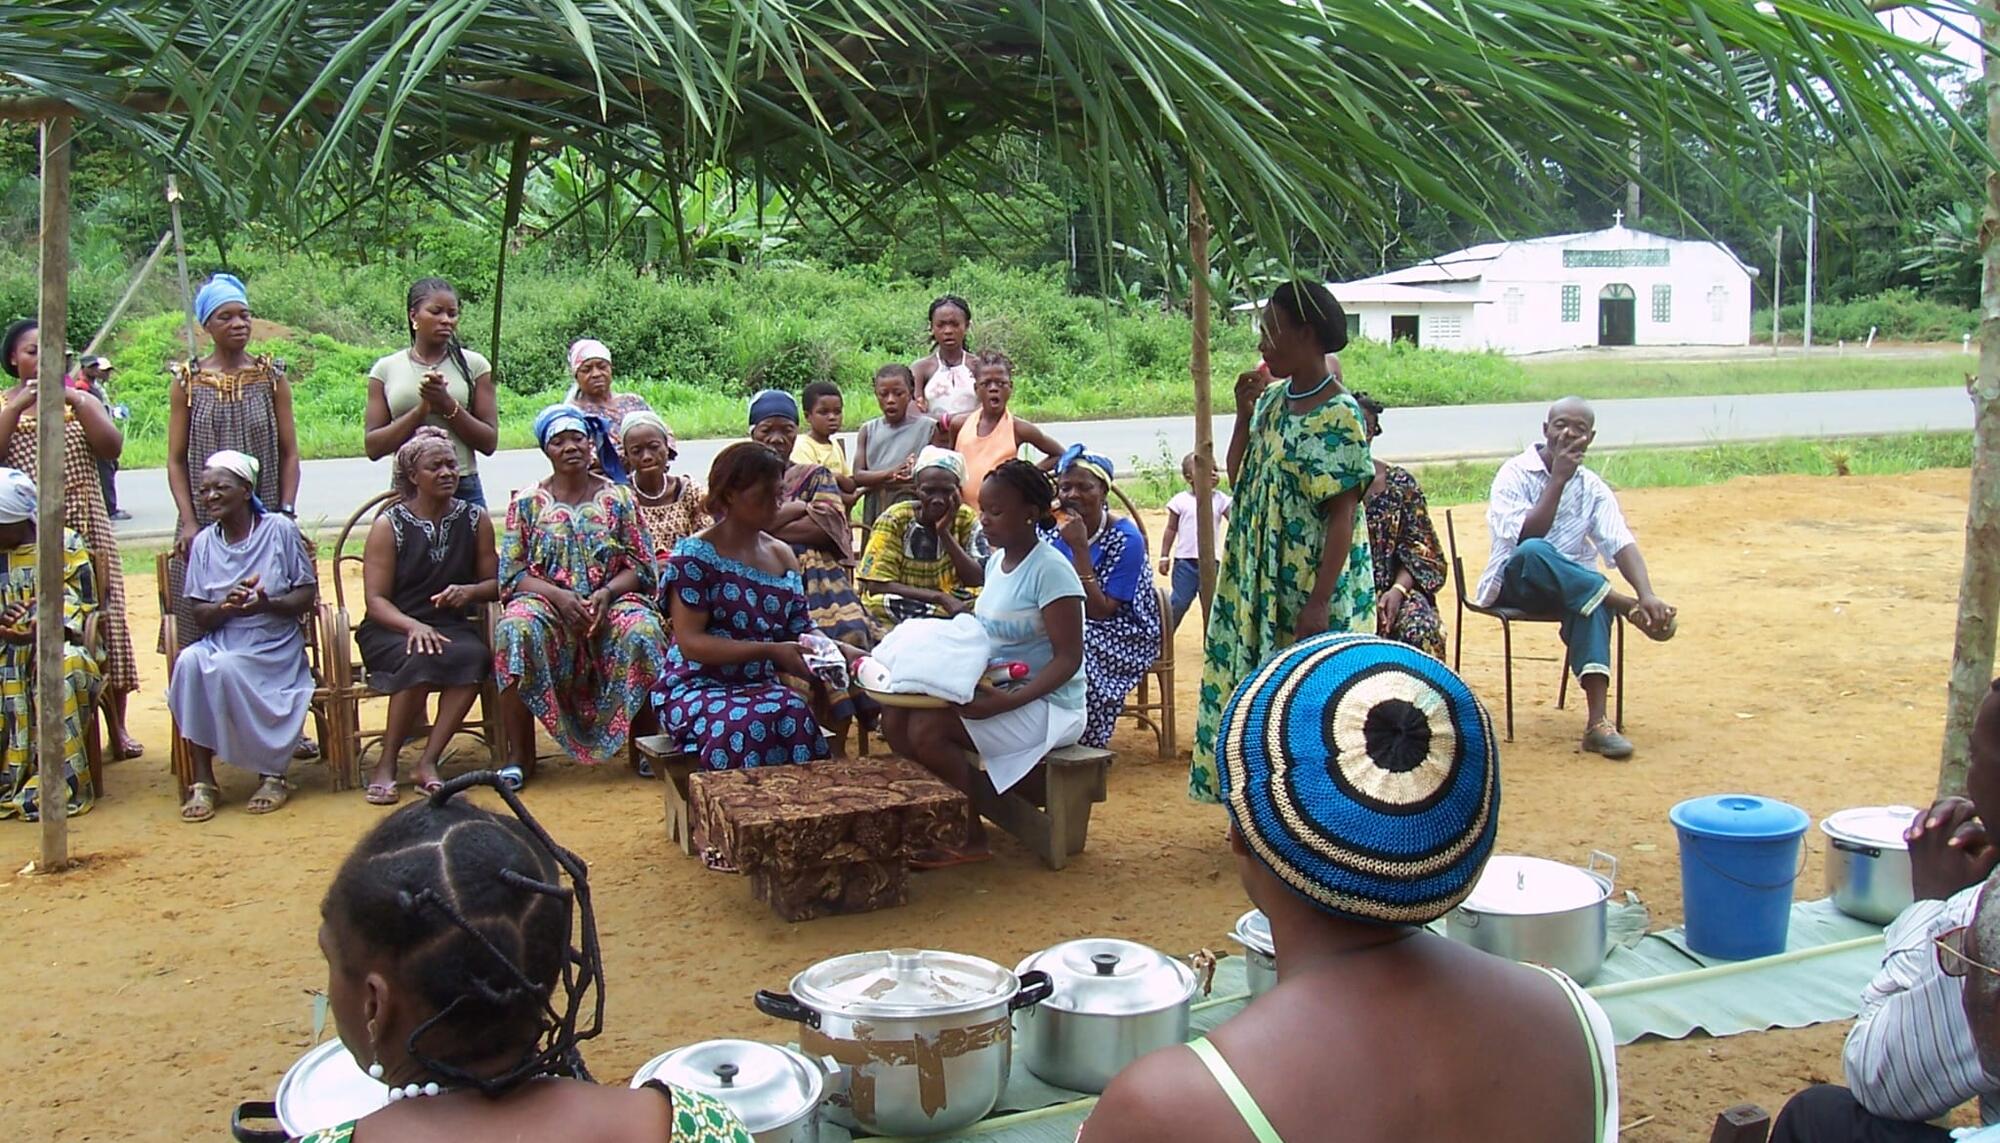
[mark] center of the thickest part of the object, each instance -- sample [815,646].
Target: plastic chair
[1508,616]
[350,675]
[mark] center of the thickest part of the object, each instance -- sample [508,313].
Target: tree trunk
[1979,583]
[49,405]
[1204,408]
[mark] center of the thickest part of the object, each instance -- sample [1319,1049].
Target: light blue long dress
[243,689]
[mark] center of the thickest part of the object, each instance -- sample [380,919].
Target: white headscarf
[238,464]
[17,496]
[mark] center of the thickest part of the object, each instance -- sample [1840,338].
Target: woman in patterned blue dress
[738,605]
[1121,607]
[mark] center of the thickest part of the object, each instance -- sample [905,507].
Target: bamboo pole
[1204,408]
[1979,579]
[180,252]
[138,279]
[49,406]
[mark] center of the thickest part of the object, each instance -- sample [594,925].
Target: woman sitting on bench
[1032,608]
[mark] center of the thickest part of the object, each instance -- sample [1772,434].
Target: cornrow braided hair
[1033,485]
[421,291]
[470,906]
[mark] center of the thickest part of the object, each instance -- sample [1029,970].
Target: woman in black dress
[430,561]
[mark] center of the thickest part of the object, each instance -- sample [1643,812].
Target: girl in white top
[436,381]
[945,385]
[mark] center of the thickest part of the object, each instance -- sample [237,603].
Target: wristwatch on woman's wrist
[288,510]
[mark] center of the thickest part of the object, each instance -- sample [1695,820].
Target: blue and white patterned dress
[736,715]
[1117,650]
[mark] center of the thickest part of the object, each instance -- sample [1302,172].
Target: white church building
[1566,291]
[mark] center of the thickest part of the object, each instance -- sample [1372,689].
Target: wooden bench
[1073,780]
[672,768]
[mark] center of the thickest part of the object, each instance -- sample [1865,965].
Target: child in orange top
[993,436]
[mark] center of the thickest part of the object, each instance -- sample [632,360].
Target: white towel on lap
[944,658]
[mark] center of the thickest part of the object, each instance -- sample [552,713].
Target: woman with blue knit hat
[1362,780]
[1121,608]
[579,642]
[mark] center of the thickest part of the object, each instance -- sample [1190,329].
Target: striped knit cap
[1365,775]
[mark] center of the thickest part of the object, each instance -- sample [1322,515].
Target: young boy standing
[1180,558]
[887,447]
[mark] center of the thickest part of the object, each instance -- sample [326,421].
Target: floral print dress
[584,688]
[1293,465]
[1400,538]
[698,1118]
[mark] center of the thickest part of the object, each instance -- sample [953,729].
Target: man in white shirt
[1552,520]
[1911,1055]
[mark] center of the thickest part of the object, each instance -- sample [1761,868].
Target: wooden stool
[826,838]
[1073,780]
[672,767]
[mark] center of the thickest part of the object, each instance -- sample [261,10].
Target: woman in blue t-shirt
[1031,605]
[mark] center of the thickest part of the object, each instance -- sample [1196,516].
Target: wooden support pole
[1979,579]
[49,406]
[1204,406]
[510,217]
[180,252]
[138,280]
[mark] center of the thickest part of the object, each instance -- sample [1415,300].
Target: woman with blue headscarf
[1121,607]
[579,642]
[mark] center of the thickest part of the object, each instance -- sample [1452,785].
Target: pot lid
[1101,976]
[1253,932]
[326,1088]
[1529,886]
[766,1085]
[904,983]
[1744,817]
[1879,826]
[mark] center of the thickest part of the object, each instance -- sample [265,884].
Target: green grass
[1826,371]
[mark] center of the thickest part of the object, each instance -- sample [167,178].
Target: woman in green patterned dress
[82,675]
[1296,561]
[458,968]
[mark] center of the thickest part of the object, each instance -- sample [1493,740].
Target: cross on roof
[1617,218]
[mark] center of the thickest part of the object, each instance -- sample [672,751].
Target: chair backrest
[1457,565]
[341,557]
[1132,513]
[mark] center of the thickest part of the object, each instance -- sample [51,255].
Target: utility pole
[1812,236]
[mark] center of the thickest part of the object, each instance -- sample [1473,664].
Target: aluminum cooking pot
[1538,911]
[1868,862]
[1260,955]
[925,1037]
[325,1088]
[773,1090]
[1114,1001]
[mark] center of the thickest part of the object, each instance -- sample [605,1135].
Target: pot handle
[1467,917]
[1597,855]
[1036,986]
[259,1109]
[780,1005]
[1851,847]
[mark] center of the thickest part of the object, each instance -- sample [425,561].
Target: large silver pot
[1114,1001]
[773,1090]
[1260,954]
[925,1037]
[1537,911]
[325,1088]
[1868,862]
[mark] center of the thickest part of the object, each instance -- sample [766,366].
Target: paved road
[333,487]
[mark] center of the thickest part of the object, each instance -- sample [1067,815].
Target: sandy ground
[172,976]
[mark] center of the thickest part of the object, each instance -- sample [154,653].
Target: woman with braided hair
[459,968]
[436,381]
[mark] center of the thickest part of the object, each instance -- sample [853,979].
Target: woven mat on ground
[1651,985]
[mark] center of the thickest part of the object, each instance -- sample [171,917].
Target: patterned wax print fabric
[614,411]
[583,687]
[902,549]
[19,796]
[84,514]
[1293,464]
[1400,538]
[670,522]
[827,562]
[226,410]
[1117,650]
[735,715]
[698,1118]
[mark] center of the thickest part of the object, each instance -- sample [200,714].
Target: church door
[1617,315]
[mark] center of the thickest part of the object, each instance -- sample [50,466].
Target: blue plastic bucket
[1739,861]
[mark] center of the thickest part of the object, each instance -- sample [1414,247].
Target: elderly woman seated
[244,688]
[459,966]
[82,675]
[1121,630]
[925,557]
[671,508]
[1363,787]
[578,643]
[428,564]
[738,607]
[1409,561]
[590,368]
[812,518]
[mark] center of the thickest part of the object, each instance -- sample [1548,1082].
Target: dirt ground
[173,976]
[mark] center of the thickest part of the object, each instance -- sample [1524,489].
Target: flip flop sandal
[201,798]
[430,787]
[271,796]
[643,767]
[383,793]
[514,777]
[306,750]
[123,754]
[930,859]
